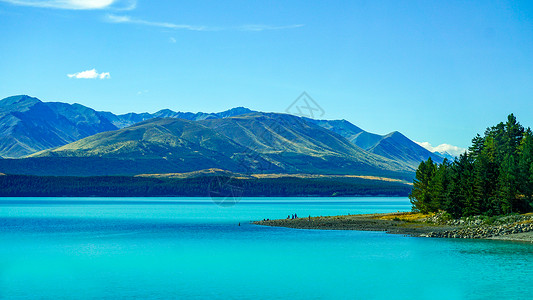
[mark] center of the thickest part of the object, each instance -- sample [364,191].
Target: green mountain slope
[394,145]
[252,143]
[188,145]
[300,146]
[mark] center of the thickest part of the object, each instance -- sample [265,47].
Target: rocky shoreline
[514,227]
[477,229]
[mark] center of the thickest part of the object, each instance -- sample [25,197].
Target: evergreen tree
[465,171]
[485,177]
[477,146]
[455,200]
[420,196]
[497,133]
[513,135]
[525,171]
[507,184]
[439,185]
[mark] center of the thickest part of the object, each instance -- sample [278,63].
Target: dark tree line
[204,186]
[494,177]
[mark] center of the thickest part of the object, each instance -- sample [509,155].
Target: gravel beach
[518,228]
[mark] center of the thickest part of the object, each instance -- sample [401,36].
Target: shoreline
[511,228]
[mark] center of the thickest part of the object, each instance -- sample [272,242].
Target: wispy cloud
[77,4]
[127,19]
[442,148]
[172,40]
[90,74]
[252,27]
[122,5]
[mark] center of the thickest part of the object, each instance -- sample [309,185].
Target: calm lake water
[162,248]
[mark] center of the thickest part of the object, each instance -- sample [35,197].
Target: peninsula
[512,227]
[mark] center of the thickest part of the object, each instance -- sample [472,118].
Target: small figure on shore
[295,216]
[309,218]
[288,217]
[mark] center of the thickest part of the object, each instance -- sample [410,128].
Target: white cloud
[127,19]
[172,40]
[104,75]
[451,149]
[77,4]
[90,74]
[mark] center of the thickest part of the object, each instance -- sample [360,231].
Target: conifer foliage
[494,177]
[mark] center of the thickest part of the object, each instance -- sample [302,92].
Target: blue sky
[437,71]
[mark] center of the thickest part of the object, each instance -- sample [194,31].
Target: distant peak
[164,113]
[239,109]
[17,103]
[443,149]
[395,134]
[19,99]
[234,112]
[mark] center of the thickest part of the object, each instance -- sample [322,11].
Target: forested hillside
[202,186]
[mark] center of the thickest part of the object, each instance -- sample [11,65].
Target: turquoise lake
[168,248]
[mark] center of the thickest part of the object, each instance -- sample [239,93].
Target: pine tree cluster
[494,177]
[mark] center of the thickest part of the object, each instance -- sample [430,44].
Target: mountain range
[28,125]
[54,138]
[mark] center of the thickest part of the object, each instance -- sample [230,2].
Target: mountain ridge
[32,128]
[393,145]
[250,143]
[28,125]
